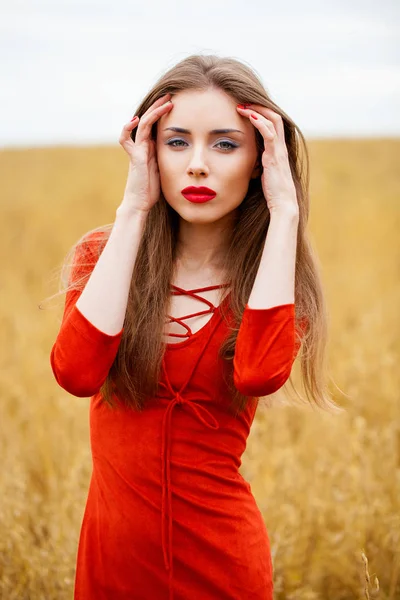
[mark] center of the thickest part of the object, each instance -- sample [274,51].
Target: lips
[198,194]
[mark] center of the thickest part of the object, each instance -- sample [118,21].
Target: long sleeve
[82,355]
[265,350]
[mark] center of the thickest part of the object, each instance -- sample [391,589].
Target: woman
[214,213]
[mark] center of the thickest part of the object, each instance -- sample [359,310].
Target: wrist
[285,214]
[126,212]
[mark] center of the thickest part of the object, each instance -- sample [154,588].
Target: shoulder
[92,242]
[86,252]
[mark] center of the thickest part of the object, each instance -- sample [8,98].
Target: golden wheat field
[327,485]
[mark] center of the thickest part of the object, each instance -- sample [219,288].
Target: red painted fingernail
[254,116]
[243,105]
[134,118]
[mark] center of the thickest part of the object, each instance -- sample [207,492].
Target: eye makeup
[231,144]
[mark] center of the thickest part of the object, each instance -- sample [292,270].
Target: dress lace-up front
[199,412]
[211,309]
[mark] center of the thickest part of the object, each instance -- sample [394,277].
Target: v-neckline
[206,326]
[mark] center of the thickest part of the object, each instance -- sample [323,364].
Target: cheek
[167,164]
[238,171]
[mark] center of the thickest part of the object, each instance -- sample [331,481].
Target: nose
[197,164]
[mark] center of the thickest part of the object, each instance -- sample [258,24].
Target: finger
[158,103]
[147,121]
[269,114]
[128,127]
[127,130]
[155,105]
[276,120]
[264,126]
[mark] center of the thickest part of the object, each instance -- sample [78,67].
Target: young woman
[179,316]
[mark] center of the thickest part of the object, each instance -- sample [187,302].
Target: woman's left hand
[277,182]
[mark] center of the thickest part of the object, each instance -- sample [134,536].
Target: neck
[203,246]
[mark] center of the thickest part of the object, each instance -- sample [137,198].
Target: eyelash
[232,146]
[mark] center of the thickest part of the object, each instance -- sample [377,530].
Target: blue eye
[230,144]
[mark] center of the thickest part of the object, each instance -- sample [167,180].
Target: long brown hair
[135,372]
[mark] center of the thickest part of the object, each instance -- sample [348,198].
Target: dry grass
[328,486]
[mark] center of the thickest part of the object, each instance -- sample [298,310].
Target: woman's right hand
[142,189]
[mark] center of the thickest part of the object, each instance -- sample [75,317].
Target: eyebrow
[213,131]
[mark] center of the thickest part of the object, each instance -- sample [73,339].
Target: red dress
[168,515]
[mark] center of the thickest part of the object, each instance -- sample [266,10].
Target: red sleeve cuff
[89,330]
[264,351]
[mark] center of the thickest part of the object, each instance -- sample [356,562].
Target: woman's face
[224,162]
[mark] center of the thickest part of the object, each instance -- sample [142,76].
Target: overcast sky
[73,71]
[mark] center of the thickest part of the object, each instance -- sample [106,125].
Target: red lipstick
[198,194]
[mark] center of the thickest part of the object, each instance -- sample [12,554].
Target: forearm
[275,279]
[105,297]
